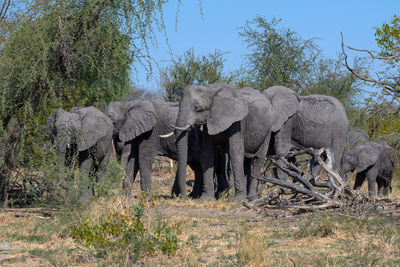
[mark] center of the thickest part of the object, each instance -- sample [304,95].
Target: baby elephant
[372,160]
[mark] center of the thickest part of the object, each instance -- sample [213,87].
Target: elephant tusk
[184,128]
[166,135]
[68,145]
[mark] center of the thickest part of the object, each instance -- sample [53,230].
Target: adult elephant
[86,131]
[372,160]
[139,125]
[239,121]
[320,121]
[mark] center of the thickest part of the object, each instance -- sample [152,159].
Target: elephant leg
[207,165]
[381,186]
[85,185]
[360,177]
[198,180]
[371,177]
[147,152]
[256,164]
[220,173]
[104,150]
[247,173]
[229,174]
[236,152]
[388,184]
[132,168]
[255,170]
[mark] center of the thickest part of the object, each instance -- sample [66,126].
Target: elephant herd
[214,128]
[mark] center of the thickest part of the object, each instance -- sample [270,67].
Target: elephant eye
[197,107]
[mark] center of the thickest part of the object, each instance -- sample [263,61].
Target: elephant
[372,160]
[86,131]
[320,121]
[240,122]
[142,125]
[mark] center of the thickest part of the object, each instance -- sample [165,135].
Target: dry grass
[218,233]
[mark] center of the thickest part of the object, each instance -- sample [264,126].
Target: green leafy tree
[65,53]
[331,78]
[191,69]
[278,56]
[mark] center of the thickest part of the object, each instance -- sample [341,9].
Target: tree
[330,77]
[65,53]
[278,56]
[380,115]
[385,61]
[190,69]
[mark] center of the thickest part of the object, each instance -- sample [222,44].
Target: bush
[317,226]
[124,232]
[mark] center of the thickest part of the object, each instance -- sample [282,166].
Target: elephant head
[82,128]
[115,111]
[216,106]
[140,116]
[359,158]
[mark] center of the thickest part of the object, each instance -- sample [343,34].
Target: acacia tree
[191,69]
[279,56]
[63,53]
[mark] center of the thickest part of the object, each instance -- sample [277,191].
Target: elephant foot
[194,195]
[240,197]
[252,197]
[128,195]
[207,197]
[147,197]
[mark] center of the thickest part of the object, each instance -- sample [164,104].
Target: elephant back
[319,120]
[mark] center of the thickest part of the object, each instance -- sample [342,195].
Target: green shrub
[126,233]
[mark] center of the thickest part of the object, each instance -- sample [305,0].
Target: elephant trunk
[182,147]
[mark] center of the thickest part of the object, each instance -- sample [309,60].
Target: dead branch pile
[306,194]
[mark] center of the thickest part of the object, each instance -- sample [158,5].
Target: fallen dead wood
[306,194]
[43,213]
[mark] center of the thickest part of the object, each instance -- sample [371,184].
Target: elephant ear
[140,117]
[367,155]
[285,102]
[227,107]
[94,125]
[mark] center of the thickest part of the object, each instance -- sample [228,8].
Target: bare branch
[388,89]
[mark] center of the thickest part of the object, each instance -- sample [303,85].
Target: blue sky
[218,27]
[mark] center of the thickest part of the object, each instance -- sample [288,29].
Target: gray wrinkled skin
[87,132]
[372,160]
[319,122]
[239,122]
[138,125]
